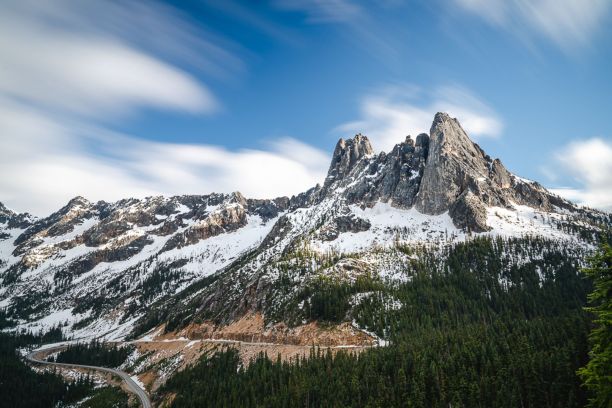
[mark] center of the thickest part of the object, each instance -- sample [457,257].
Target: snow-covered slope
[89,257]
[102,268]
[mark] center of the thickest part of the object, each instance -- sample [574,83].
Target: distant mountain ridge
[106,268]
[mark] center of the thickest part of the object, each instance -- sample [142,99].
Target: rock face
[14,220]
[453,165]
[227,219]
[388,177]
[441,172]
[343,223]
[459,177]
[346,154]
[469,212]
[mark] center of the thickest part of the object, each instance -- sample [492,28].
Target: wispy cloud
[357,21]
[589,164]
[393,112]
[251,17]
[50,161]
[100,58]
[93,77]
[570,24]
[323,11]
[70,67]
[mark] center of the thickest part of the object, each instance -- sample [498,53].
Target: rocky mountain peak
[238,198]
[346,154]
[79,201]
[459,177]
[447,135]
[443,171]
[5,214]
[452,162]
[76,205]
[4,210]
[11,219]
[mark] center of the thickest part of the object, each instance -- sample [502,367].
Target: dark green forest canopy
[597,374]
[23,387]
[494,323]
[94,353]
[20,386]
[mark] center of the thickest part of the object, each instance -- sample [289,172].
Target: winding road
[129,382]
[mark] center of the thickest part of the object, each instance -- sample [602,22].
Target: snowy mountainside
[120,269]
[122,256]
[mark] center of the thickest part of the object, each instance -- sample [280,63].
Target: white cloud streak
[93,77]
[49,162]
[323,11]
[94,58]
[589,164]
[355,20]
[390,114]
[68,68]
[570,24]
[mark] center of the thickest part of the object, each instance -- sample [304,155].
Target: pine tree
[597,374]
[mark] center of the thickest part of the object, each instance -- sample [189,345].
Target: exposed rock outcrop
[453,165]
[226,219]
[460,178]
[469,212]
[346,154]
[441,172]
[14,220]
[343,223]
[393,176]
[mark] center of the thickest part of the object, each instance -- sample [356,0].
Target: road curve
[129,382]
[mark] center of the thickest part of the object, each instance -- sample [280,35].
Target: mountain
[201,262]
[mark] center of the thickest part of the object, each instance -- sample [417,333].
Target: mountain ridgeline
[201,262]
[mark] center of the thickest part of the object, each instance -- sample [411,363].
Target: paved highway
[131,384]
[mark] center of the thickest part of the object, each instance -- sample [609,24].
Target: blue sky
[117,99]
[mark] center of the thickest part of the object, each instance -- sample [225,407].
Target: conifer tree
[597,374]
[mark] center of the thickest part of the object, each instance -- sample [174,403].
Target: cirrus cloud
[323,11]
[570,24]
[50,59]
[69,68]
[50,161]
[588,163]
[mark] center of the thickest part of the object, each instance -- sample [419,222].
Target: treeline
[493,323]
[529,365]
[94,353]
[475,284]
[329,301]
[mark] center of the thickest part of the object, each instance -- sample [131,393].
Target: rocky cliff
[459,177]
[443,172]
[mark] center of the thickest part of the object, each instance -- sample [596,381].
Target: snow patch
[390,225]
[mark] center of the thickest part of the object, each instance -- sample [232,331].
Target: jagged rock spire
[6,214]
[346,154]
[78,201]
[441,172]
[461,178]
[452,161]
